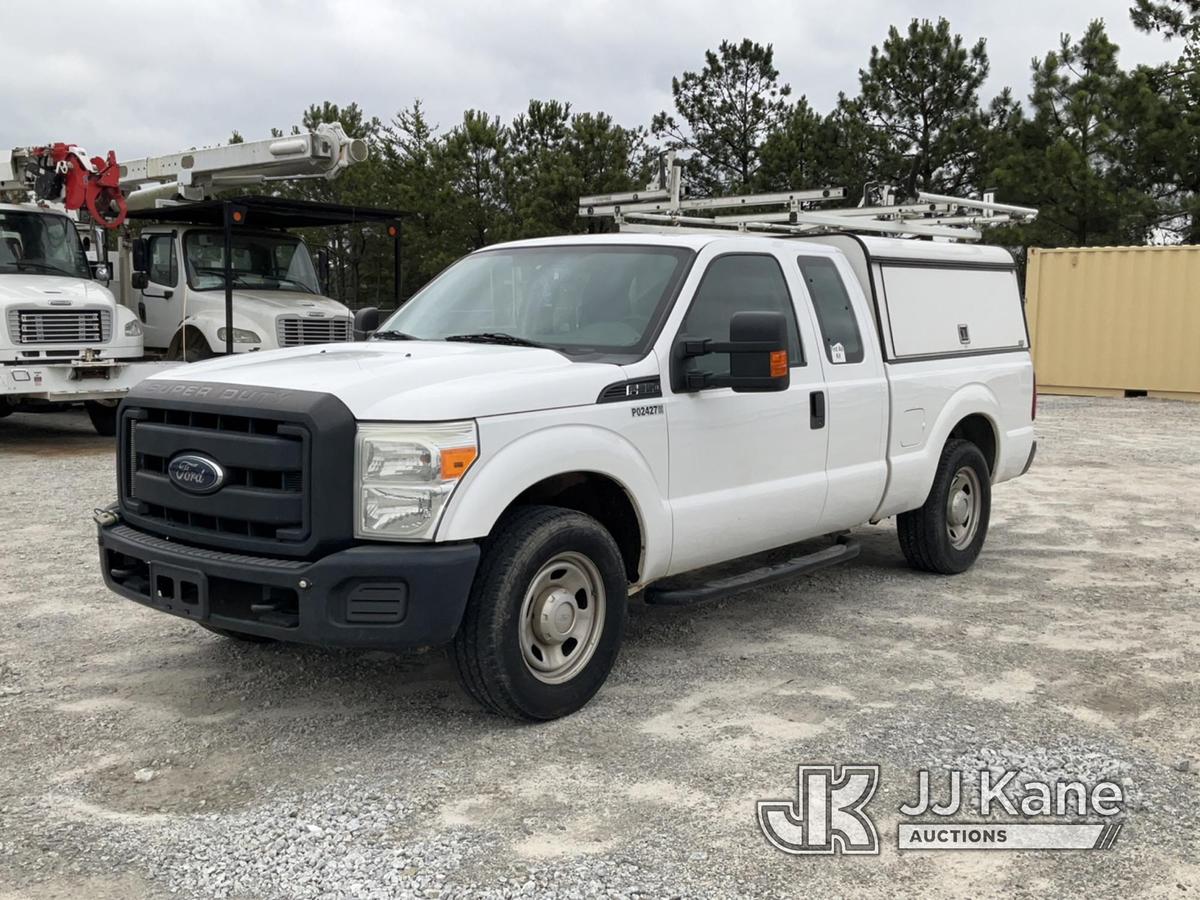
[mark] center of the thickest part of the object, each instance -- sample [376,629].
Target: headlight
[133,328]
[405,475]
[240,336]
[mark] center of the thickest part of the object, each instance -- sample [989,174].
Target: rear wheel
[947,533]
[546,615]
[103,414]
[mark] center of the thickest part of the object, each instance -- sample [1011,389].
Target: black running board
[845,549]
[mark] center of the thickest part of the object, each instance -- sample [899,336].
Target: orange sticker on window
[779,363]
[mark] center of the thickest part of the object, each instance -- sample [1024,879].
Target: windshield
[264,262]
[35,243]
[569,298]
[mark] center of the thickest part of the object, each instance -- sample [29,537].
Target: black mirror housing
[323,269]
[366,321]
[138,280]
[139,255]
[758,356]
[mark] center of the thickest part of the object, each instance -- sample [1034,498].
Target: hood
[297,302]
[42,289]
[416,380]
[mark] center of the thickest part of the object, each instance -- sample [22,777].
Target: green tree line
[1108,155]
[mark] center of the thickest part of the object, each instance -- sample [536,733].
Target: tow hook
[106,517]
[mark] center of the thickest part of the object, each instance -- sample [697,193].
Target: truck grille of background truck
[59,326]
[296,331]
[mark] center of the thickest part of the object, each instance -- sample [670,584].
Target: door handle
[816,409]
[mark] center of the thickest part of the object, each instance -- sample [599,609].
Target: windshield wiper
[494,337]
[393,336]
[44,267]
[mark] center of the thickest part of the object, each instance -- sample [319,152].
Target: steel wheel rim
[562,618]
[963,504]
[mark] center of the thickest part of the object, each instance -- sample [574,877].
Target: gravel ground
[143,757]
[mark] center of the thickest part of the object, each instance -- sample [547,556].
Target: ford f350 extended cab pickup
[552,426]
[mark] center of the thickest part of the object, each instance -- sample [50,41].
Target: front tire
[947,533]
[103,414]
[546,615]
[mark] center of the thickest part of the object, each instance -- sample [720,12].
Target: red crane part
[93,183]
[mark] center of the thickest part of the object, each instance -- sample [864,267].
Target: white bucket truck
[74,330]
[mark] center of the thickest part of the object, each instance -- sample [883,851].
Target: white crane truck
[67,336]
[552,426]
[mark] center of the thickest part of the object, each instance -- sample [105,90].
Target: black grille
[287,456]
[262,495]
[60,326]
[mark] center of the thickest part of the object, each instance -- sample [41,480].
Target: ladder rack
[661,208]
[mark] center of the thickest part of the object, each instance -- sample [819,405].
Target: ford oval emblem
[195,474]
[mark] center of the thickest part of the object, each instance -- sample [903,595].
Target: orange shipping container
[1105,321]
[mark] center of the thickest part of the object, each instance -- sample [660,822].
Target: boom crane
[63,173]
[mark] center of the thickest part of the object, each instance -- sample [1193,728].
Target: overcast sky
[154,77]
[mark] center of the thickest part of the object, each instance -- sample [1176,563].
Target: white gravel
[143,757]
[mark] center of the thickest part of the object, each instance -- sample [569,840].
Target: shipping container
[1116,321]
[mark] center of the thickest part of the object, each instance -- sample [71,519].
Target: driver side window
[738,282]
[163,268]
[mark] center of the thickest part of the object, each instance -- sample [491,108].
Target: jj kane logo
[829,814]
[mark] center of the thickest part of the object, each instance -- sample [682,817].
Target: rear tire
[240,636]
[103,415]
[947,533]
[546,615]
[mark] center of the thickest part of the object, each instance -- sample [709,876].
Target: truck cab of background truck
[62,334]
[552,426]
[177,287]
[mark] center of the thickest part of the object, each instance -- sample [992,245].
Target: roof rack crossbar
[662,207]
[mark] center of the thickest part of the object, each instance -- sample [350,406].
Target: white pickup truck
[555,425]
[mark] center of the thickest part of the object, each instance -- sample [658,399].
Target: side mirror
[758,356]
[366,320]
[138,280]
[102,272]
[139,255]
[323,269]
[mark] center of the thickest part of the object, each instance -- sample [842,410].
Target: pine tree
[921,91]
[725,113]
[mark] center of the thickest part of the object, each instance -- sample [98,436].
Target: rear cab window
[835,312]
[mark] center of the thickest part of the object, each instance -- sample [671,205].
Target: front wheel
[103,414]
[947,533]
[546,614]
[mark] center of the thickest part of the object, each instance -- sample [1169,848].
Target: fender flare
[912,473]
[207,323]
[496,480]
